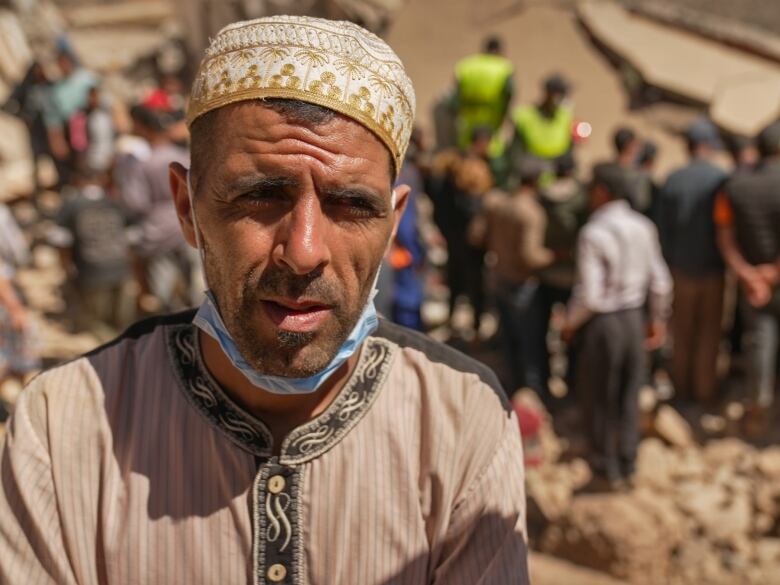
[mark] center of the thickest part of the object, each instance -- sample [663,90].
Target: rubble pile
[695,513]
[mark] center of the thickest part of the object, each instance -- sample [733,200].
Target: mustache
[279,282]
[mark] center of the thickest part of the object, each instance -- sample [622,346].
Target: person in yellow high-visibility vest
[545,130]
[483,92]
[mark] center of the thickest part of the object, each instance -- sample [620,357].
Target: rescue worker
[483,91]
[545,130]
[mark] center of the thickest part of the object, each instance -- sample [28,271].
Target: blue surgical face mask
[209,320]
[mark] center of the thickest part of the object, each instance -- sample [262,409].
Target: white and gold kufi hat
[335,64]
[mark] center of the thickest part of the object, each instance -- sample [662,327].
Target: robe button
[276,484]
[276,573]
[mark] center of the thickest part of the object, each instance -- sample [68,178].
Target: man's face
[553,99]
[294,222]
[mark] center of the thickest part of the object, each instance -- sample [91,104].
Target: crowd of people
[607,265]
[116,228]
[634,275]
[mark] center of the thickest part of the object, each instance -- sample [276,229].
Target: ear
[401,200]
[177,175]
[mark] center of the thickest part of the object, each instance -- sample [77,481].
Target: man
[619,271]
[544,130]
[512,228]
[167,268]
[30,101]
[687,231]
[628,153]
[749,237]
[458,183]
[95,255]
[407,254]
[483,92]
[68,96]
[565,204]
[276,436]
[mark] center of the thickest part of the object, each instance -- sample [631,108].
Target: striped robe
[131,465]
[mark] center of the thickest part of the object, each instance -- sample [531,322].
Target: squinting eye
[354,207]
[263,198]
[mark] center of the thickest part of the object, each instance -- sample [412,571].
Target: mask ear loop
[198,240]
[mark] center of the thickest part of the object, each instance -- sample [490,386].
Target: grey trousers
[610,371]
[760,346]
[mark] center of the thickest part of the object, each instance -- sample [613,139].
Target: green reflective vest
[482,81]
[544,137]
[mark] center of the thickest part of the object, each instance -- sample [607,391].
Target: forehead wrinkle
[340,145]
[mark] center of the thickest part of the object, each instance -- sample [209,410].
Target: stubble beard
[294,354]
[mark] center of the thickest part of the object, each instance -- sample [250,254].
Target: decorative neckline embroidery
[307,441]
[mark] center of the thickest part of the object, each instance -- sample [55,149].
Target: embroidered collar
[305,442]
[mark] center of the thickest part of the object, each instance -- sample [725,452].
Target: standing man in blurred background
[687,231]
[545,130]
[748,218]
[619,270]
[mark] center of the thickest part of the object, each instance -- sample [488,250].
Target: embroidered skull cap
[334,64]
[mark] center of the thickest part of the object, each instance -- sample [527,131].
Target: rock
[647,399]
[615,533]
[763,523]
[766,498]
[654,464]
[713,424]
[547,570]
[723,517]
[672,428]
[732,453]
[767,551]
[689,465]
[10,390]
[699,499]
[735,411]
[768,463]
[697,562]
[765,562]
[549,490]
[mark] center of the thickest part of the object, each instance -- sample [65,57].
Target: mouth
[296,315]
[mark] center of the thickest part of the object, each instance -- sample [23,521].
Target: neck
[280,413]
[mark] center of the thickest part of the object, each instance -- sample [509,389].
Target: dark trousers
[465,275]
[549,297]
[611,368]
[760,347]
[524,348]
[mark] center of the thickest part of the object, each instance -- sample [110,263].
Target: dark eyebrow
[354,193]
[247,184]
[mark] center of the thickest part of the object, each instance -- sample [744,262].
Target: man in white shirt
[620,271]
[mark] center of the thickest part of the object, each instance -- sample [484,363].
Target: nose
[301,245]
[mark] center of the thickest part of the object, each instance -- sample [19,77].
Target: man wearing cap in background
[545,130]
[280,434]
[483,92]
[620,270]
[687,232]
[747,214]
